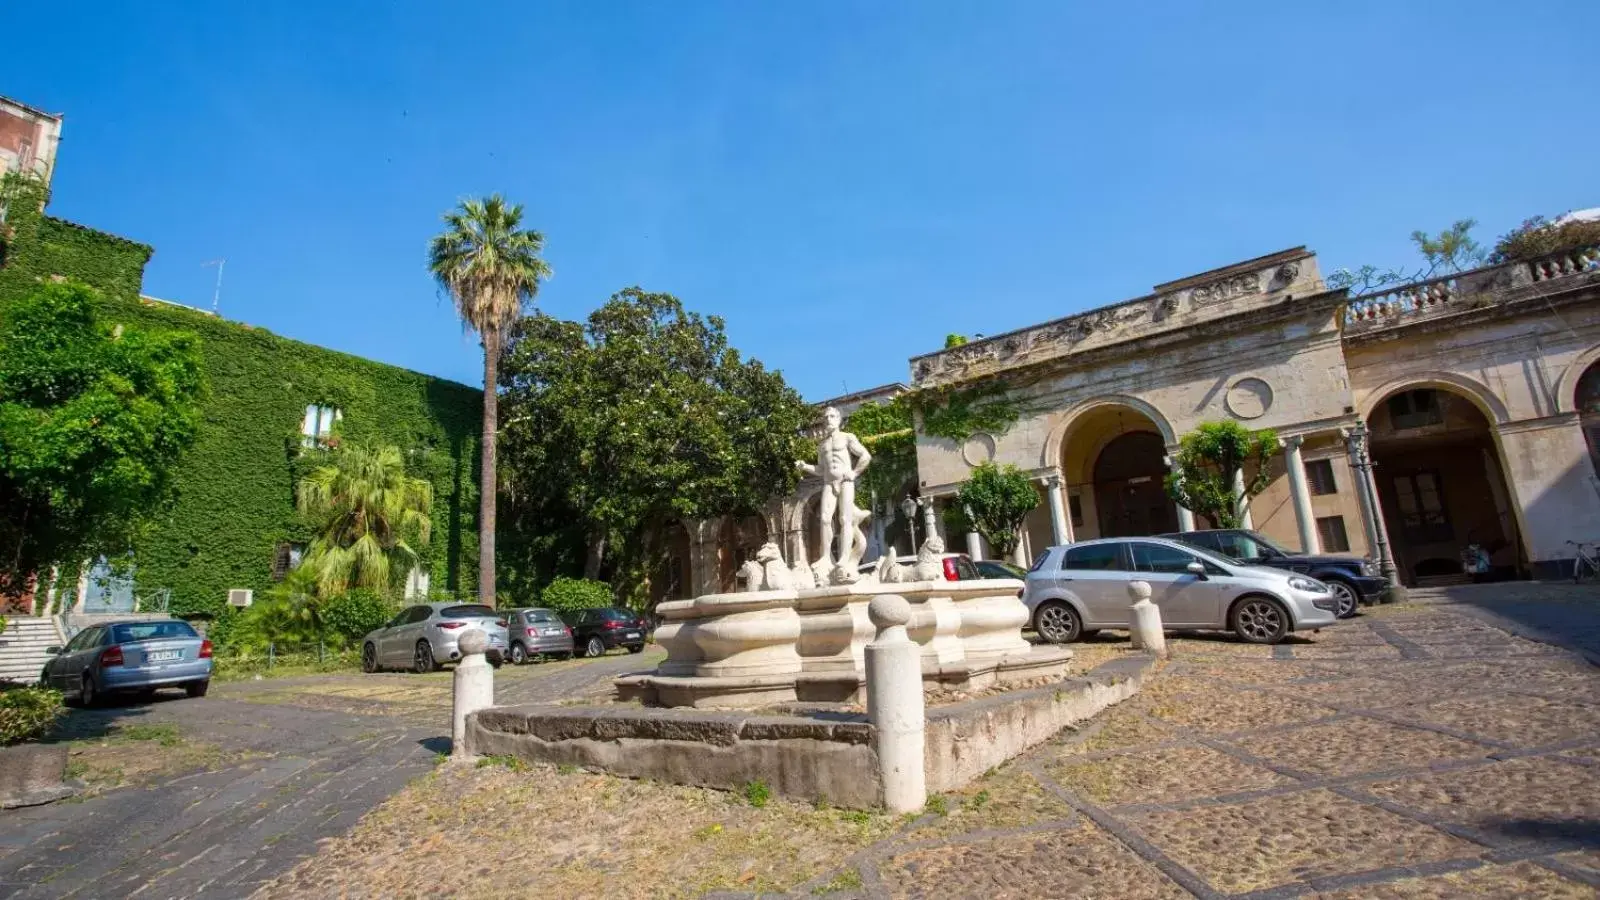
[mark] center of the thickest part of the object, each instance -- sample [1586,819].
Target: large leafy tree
[93,419]
[491,267]
[640,416]
[1210,460]
[997,499]
[364,508]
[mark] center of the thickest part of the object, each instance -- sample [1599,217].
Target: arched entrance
[672,577]
[1113,457]
[1442,487]
[1587,402]
[1129,487]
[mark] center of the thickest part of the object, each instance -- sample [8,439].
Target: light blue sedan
[130,657]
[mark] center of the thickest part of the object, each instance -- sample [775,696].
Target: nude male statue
[834,464]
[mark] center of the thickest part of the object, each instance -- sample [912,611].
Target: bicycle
[1585,559]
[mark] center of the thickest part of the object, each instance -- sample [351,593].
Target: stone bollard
[474,687]
[1146,620]
[894,704]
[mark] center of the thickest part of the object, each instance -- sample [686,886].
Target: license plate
[163,655]
[552,631]
[633,634]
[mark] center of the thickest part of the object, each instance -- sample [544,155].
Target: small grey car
[537,633]
[425,636]
[1075,590]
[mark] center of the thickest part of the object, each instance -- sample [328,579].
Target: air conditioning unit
[240,597]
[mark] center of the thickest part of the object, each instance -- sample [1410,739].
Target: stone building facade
[28,139]
[1478,394]
[1474,390]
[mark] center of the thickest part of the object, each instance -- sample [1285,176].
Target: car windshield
[1211,556]
[1262,542]
[471,611]
[541,616]
[618,615]
[150,631]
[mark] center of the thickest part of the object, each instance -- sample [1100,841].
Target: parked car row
[425,636]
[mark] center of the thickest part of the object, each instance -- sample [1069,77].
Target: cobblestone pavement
[1555,613]
[324,750]
[1413,752]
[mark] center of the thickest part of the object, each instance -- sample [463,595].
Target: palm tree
[363,506]
[491,267]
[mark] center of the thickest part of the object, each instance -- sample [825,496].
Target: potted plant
[30,773]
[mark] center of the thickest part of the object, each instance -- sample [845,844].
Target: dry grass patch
[544,832]
[141,754]
[1007,797]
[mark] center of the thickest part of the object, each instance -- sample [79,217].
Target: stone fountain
[798,632]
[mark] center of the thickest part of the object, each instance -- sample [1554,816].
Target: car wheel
[1057,622]
[595,647]
[1257,620]
[87,695]
[1349,600]
[422,660]
[519,654]
[197,688]
[638,648]
[369,658]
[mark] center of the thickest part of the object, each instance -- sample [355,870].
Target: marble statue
[774,574]
[930,559]
[801,577]
[750,574]
[841,458]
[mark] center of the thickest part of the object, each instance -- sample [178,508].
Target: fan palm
[363,506]
[490,266]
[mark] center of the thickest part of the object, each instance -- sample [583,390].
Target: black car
[1354,580]
[594,631]
[994,568]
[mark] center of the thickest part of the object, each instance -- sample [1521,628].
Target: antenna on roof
[216,296]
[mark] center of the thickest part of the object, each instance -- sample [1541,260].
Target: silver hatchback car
[1077,589]
[423,637]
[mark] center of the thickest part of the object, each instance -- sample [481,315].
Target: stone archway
[1441,484]
[738,540]
[673,577]
[1586,400]
[1113,458]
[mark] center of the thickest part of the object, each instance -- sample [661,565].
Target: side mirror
[1195,567]
[53,651]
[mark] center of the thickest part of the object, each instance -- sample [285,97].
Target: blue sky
[844,183]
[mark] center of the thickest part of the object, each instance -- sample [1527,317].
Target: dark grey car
[130,657]
[536,634]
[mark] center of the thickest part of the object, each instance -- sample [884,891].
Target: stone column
[1185,515]
[1245,519]
[895,705]
[974,545]
[474,687]
[1060,522]
[1303,516]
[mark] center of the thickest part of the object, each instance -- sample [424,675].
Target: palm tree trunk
[486,489]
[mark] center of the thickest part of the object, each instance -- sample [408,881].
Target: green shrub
[348,617]
[757,794]
[26,712]
[568,595]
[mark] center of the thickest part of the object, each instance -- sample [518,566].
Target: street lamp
[908,507]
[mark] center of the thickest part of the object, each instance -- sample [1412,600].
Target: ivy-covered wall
[235,500]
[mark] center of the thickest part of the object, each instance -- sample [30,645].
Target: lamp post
[908,507]
[1357,439]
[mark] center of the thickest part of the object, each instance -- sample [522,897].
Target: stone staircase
[22,646]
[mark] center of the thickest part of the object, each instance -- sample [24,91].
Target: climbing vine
[958,413]
[886,430]
[235,485]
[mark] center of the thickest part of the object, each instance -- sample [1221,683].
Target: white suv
[1078,589]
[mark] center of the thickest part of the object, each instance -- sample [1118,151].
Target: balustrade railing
[1477,287]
